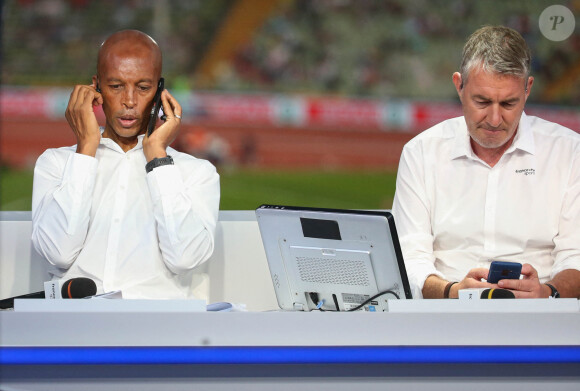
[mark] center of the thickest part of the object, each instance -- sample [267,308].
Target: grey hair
[497,49]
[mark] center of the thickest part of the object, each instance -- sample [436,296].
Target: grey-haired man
[494,184]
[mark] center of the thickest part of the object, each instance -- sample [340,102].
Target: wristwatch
[555,294]
[158,162]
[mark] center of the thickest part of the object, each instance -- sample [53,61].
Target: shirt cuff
[418,271]
[165,183]
[570,263]
[165,180]
[78,165]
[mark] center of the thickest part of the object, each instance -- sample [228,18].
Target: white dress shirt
[105,218]
[454,212]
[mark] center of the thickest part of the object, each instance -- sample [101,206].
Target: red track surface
[22,141]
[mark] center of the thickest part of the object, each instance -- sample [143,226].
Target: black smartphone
[501,270]
[156,106]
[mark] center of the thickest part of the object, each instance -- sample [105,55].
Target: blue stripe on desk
[288,355]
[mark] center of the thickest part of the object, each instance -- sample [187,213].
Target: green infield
[243,189]
[15,189]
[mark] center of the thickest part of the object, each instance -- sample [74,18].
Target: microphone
[497,294]
[75,288]
[485,293]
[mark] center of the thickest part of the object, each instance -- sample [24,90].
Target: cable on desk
[358,307]
[320,303]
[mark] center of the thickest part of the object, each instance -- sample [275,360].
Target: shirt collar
[107,142]
[462,145]
[524,140]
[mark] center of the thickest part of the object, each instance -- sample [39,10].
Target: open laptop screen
[332,259]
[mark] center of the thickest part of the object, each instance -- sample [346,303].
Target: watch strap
[555,294]
[158,162]
[448,289]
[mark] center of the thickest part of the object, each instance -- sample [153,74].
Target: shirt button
[116,220]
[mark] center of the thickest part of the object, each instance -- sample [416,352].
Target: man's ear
[529,84]
[458,82]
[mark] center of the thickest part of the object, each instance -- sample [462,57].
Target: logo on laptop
[526,171]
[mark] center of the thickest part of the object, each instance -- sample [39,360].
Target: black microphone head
[77,288]
[497,294]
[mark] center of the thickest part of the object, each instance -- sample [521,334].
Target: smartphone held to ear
[156,106]
[501,270]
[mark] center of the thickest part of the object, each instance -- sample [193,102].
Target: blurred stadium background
[295,101]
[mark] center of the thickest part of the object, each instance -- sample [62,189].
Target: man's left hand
[528,287]
[156,144]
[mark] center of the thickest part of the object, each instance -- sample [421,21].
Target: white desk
[237,271]
[270,350]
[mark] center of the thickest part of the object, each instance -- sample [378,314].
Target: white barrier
[238,270]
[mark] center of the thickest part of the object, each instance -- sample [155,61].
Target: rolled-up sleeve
[411,210]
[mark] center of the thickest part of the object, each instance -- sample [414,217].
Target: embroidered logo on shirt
[526,171]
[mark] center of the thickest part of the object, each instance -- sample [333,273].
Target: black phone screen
[499,270]
[156,106]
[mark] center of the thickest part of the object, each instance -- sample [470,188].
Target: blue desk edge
[287,355]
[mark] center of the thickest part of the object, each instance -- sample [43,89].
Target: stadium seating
[374,48]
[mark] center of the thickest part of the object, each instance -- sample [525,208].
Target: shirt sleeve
[567,241]
[411,209]
[61,200]
[185,204]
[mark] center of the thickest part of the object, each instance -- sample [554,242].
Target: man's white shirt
[104,218]
[454,212]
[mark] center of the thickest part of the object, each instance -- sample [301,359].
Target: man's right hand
[82,120]
[472,281]
[434,286]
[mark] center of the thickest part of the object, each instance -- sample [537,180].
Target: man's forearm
[186,214]
[188,247]
[61,200]
[434,287]
[567,282]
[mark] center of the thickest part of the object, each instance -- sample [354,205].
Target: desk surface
[288,329]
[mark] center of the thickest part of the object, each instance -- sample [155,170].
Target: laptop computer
[333,259]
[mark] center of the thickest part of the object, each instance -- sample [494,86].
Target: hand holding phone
[156,106]
[155,145]
[501,270]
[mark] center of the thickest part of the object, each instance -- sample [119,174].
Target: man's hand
[527,287]
[471,281]
[156,144]
[81,118]
[434,286]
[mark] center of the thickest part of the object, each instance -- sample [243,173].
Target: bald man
[122,207]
